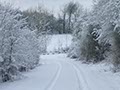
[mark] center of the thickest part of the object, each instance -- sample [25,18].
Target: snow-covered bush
[109,19]
[44,41]
[104,39]
[86,46]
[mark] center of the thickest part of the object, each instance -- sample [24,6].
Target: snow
[59,41]
[97,77]
[57,72]
[1,59]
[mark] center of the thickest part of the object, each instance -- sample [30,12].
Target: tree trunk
[11,51]
[64,23]
[69,27]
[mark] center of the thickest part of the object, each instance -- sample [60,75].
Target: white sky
[53,5]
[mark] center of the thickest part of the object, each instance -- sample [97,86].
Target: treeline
[97,34]
[42,20]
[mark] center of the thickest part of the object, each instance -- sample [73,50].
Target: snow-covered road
[58,72]
[66,77]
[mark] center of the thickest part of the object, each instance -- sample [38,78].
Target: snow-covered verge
[99,76]
[59,42]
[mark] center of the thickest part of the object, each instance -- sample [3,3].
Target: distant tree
[63,17]
[71,8]
[69,14]
[40,20]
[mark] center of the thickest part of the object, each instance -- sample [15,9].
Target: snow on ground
[98,77]
[59,41]
[58,72]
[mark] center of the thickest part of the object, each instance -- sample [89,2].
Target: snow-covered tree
[18,45]
[40,20]
[108,17]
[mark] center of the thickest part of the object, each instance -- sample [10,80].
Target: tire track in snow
[55,77]
[83,85]
[78,80]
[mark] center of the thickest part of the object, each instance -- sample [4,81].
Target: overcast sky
[53,5]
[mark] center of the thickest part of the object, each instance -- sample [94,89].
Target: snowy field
[58,72]
[59,41]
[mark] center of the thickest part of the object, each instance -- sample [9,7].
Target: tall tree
[71,9]
[18,45]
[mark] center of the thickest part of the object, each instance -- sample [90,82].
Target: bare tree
[70,12]
[64,14]
[72,7]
